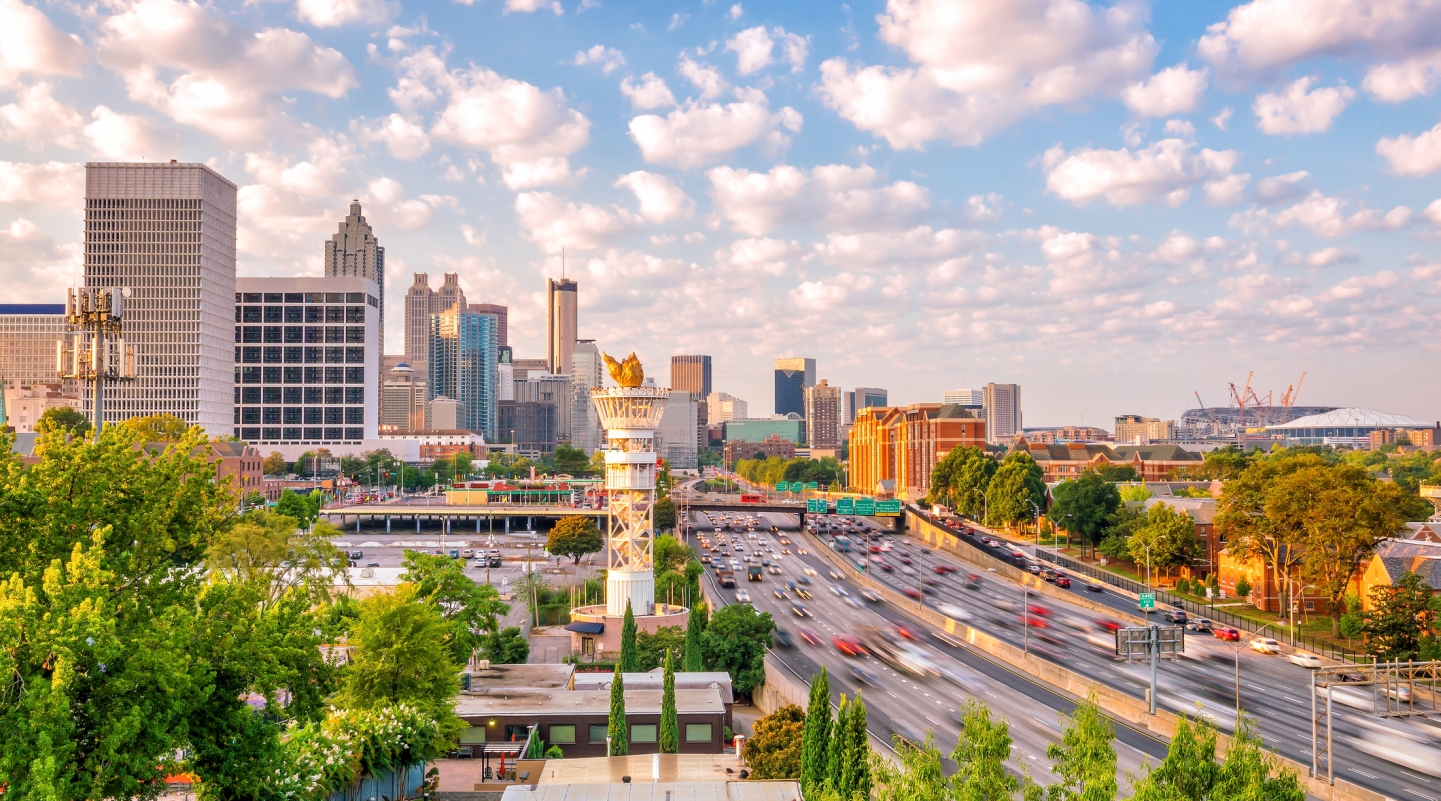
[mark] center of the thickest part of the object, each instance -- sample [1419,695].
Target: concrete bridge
[450,517]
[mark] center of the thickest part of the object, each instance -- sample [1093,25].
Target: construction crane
[1241,397]
[1292,392]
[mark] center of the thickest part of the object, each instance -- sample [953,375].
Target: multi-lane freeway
[1401,759]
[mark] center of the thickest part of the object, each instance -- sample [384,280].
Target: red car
[907,632]
[912,592]
[1037,609]
[1062,581]
[1035,622]
[875,549]
[1226,633]
[1108,625]
[848,645]
[942,570]
[810,637]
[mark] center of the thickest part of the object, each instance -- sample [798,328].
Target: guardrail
[1198,609]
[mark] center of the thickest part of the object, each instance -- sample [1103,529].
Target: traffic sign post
[811,486]
[888,508]
[866,507]
[1148,601]
[845,506]
[782,486]
[1153,642]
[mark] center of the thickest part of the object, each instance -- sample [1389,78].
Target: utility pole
[92,349]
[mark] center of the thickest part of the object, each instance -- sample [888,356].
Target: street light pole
[1025,617]
[1237,651]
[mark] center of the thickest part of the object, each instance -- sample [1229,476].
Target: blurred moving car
[782,639]
[1305,660]
[871,595]
[809,637]
[743,597]
[1265,645]
[1226,633]
[848,645]
[953,612]
[1199,625]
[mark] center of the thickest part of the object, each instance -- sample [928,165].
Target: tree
[1017,491]
[505,647]
[616,728]
[267,550]
[296,507]
[571,461]
[669,723]
[855,777]
[1166,539]
[1084,506]
[1085,760]
[1242,521]
[836,748]
[64,419]
[1116,473]
[736,641]
[1120,526]
[961,478]
[774,748]
[694,661]
[158,427]
[652,648]
[918,777]
[471,611]
[817,734]
[665,514]
[1400,616]
[275,464]
[1250,772]
[575,536]
[1354,621]
[1190,769]
[463,464]
[980,756]
[398,655]
[629,658]
[669,553]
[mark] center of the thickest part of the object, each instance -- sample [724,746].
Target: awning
[585,628]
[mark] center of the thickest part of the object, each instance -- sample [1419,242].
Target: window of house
[643,732]
[562,735]
[699,732]
[598,732]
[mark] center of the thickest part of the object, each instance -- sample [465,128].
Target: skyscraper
[463,357]
[167,231]
[404,401]
[560,324]
[969,398]
[723,406]
[502,316]
[420,303]
[354,251]
[861,398]
[450,294]
[1003,412]
[588,372]
[823,411]
[793,376]
[691,374]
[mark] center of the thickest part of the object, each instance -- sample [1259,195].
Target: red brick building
[774,445]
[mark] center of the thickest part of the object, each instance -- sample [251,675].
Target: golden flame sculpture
[627,373]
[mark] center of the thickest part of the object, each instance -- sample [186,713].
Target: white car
[810,571]
[953,612]
[1266,645]
[743,597]
[1305,660]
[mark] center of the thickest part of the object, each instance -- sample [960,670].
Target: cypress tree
[856,770]
[619,743]
[837,747]
[629,657]
[669,722]
[694,659]
[816,734]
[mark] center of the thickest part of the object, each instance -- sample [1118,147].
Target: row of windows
[297,434]
[297,334]
[299,314]
[299,355]
[639,733]
[294,375]
[313,396]
[296,415]
[302,297]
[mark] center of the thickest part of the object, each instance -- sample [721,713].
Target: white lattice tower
[630,416]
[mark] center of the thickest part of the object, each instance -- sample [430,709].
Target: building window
[312,433]
[335,375]
[273,314]
[250,375]
[292,415]
[472,735]
[271,395]
[313,395]
[271,415]
[313,416]
[699,732]
[272,375]
[294,355]
[314,334]
[334,433]
[314,314]
[355,415]
[334,333]
[294,314]
[335,355]
[250,414]
[274,333]
[270,434]
[294,334]
[642,732]
[334,415]
[598,732]
[355,333]
[251,314]
[272,355]
[335,314]
[333,395]
[293,375]
[250,355]
[354,395]
[354,375]
[250,434]
[292,434]
[355,314]
[561,735]
[355,355]
[250,395]
[354,433]
[315,355]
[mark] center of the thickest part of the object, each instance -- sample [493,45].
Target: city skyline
[1214,203]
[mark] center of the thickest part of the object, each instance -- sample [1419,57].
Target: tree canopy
[574,536]
[1165,539]
[961,478]
[1084,506]
[471,611]
[774,748]
[1017,492]
[736,640]
[64,419]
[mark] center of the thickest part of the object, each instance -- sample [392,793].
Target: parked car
[1266,645]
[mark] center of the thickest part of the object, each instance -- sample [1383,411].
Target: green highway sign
[889,508]
[816,505]
[845,506]
[1148,600]
[812,485]
[782,486]
[865,506]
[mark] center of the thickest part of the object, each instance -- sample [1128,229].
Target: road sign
[845,506]
[782,486]
[812,485]
[865,506]
[1148,600]
[816,505]
[1135,641]
[888,508]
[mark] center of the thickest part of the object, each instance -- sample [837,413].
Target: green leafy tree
[1251,772]
[1017,491]
[1400,617]
[1243,588]
[669,724]
[817,735]
[615,726]
[1165,540]
[695,629]
[1120,525]
[774,748]
[1136,493]
[575,536]
[736,640]
[1116,473]
[554,752]
[505,647]
[267,550]
[158,427]
[651,649]
[274,464]
[629,656]
[665,514]
[64,419]
[1354,621]
[1190,769]
[295,506]
[980,756]
[571,461]
[1242,519]
[1084,506]
[918,777]
[961,479]
[1085,759]
[670,553]
[855,776]
[836,748]
[472,611]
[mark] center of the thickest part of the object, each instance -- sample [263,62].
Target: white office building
[1002,404]
[167,231]
[723,406]
[675,440]
[307,363]
[587,373]
[969,398]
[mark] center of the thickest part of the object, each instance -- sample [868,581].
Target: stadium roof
[1351,418]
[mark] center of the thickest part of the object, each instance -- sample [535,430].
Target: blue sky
[1112,204]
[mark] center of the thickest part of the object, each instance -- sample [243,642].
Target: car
[802,592]
[705,560]
[1177,616]
[372,564]
[905,560]
[909,571]
[987,541]
[973,581]
[1063,582]
[774,570]
[467,553]
[839,590]
[861,674]
[834,574]
[1092,586]
[1037,609]
[454,554]
[1305,660]
[781,594]
[907,632]
[357,555]
[942,570]
[871,595]
[785,551]
[848,645]
[743,597]
[1034,568]
[800,610]
[912,593]
[855,602]
[790,585]
[782,639]
[1226,633]
[1265,645]
[810,571]
[803,579]
[810,637]
[1199,625]
[801,552]
[953,612]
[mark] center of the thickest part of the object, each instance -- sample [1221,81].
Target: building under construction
[1224,420]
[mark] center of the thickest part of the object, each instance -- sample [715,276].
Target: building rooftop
[1158,453]
[32,308]
[522,701]
[643,788]
[1351,418]
[653,680]
[952,411]
[540,677]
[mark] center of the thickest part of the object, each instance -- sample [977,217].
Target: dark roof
[951,411]
[585,628]
[1072,452]
[1159,453]
[32,308]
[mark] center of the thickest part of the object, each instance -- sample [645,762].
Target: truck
[726,578]
[753,573]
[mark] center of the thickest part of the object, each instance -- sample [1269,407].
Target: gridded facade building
[354,251]
[307,361]
[902,445]
[463,355]
[420,303]
[823,412]
[28,333]
[167,231]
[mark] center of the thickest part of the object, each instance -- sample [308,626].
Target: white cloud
[1173,90]
[333,13]
[404,138]
[833,195]
[1222,118]
[1326,216]
[1403,80]
[1166,171]
[608,58]
[31,44]
[754,47]
[984,208]
[1301,110]
[1433,212]
[705,77]
[218,77]
[1281,188]
[1413,155]
[38,119]
[529,133]
[36,269]
[553,222]
[699,133]
[735,12]
[1179,128]
[127,137]
[771,256]
[57,184]
[979,67]
[532,6]
[1325,257]
[659,199]
[650,93]
[676,20]
[1227,191]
